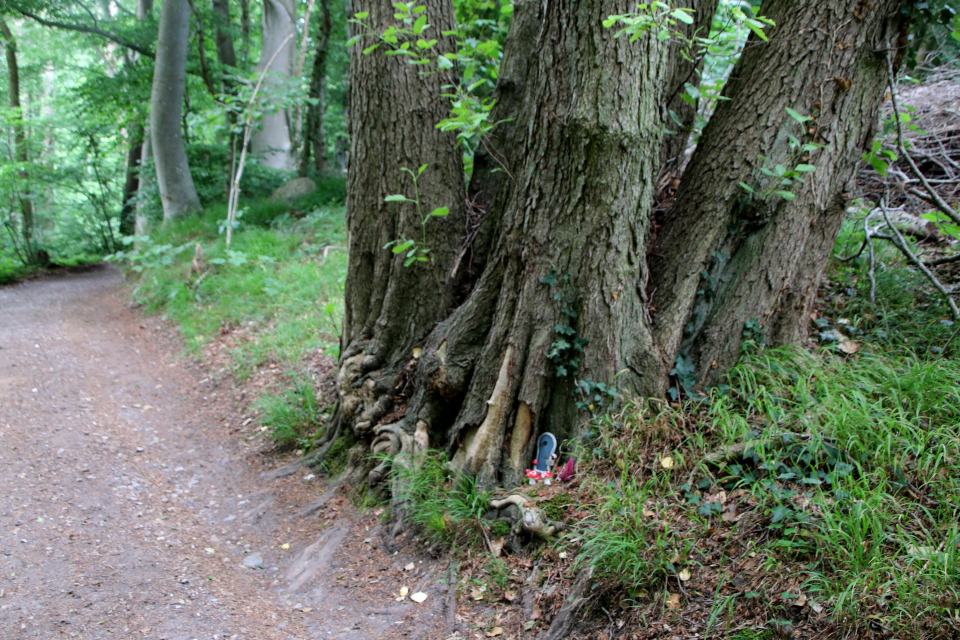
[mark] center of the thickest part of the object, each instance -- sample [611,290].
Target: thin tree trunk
[272,139]
[142,216]
[226,54]
[245,27]
[727,257]
[313,139]
[20,141]
[132,183]
[177,192]
[681,70]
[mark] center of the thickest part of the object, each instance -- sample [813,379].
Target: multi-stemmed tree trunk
[566,261]
[21,152]
[314,144]
[727,257]
[272,140]
[177,192]
[559,290]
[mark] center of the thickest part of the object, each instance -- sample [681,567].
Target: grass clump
[294,417]
[447,507]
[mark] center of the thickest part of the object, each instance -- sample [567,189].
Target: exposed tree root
[532,519]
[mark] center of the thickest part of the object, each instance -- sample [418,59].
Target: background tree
[272,139]
[177,192]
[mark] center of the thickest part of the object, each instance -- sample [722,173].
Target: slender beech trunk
[142,216]
[132,183]
[272,139]
[131,186]
[226,54]
[20,142]
[725,257]
[314,143]
[569,252]
[245,27]
[177,192]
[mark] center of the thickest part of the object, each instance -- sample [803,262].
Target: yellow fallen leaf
[801,600]
[409,567]
[404,591]
[285,545]
[667,462]
[476,594]
[496,631]
[673,601]
[684,574]
[418,597]
[649,514]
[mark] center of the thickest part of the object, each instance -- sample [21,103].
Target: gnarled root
[532,519]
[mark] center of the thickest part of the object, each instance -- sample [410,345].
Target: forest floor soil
[138,502]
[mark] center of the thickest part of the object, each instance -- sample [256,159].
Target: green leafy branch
[782,178]
[416,250]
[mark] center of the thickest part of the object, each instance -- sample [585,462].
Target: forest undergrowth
[816,491]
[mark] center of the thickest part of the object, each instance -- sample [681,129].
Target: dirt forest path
[131,509]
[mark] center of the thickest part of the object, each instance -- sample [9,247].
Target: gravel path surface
[130,510]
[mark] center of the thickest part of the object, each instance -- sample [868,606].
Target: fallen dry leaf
[496,547]
[849,347]
[476,594]
[801,600]
[666,462]
[509,596]
[285,545]
[673,601]
[418,597]
[528,625]
[684,574]
[496,631]
[649,514]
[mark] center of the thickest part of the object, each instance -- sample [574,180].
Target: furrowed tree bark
[726,257]
[177,192]
[245,27]
[21,152]
[390,308]
[314,143]
[570,253]
[272,140]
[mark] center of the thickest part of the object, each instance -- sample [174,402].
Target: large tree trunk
[177,192]
[226,54]
[726,258]
[390,308]
[20,143]
[272,139]
[568,260]
[314,143]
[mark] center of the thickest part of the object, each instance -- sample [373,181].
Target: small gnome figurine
[546,459]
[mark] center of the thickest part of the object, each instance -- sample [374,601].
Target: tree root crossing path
[132,509]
